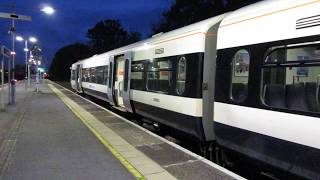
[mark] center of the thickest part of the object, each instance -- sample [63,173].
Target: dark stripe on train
[257,53]
[295,158]
[187,124]
[96,94]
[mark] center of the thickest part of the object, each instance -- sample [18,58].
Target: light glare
[48,10]
[19,38]
[32,39]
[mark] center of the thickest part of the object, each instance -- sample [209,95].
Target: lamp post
[26,50]
[36,51]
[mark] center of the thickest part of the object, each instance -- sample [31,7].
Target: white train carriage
[246,81]
[161,78]
[94,78]
[267,84]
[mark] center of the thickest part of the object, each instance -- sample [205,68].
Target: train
[245,82]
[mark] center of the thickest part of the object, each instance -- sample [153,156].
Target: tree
[236,4]
[185,12]
[109,34]
[63,59]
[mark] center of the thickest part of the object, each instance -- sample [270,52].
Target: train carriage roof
[268,21]
[188,34]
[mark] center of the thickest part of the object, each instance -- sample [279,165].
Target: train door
[208,85]
[78,78]
[119,81]
[119,62]
[110,91]
[126,85]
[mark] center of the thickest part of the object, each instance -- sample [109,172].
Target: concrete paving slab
[165,154]
[194,170]
[147,169]
[160,176]
[133,135]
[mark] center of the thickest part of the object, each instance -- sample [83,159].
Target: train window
[181,75]
[93,78]
[88,75]
[85,75]
[105,74]
[291,78]
[110,74]
[159,75]
[240,76]
[137,75]
[73,74]
[99,75]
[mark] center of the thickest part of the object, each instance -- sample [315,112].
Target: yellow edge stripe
[123,161]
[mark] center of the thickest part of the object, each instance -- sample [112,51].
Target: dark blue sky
[74,17]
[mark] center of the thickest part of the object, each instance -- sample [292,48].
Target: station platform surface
[57,134]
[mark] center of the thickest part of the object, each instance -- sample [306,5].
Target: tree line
[109,34]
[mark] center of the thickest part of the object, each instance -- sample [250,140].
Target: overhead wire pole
[26,68]
[13,17]
[13,34]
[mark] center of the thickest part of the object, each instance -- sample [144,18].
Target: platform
[57,134]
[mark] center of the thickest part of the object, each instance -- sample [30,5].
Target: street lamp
[27,71]
[36,51]
[48,10]
[32,39]
[19,38]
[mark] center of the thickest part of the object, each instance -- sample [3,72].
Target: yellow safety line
[123,161]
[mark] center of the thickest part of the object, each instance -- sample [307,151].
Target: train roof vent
[308,22]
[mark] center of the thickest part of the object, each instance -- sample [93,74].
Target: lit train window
[73,74]
[291,78]
[137,75]
[99,75]
[159,75]
[93,78]
[85,75]
[105,75]
[240,76]
[181,76]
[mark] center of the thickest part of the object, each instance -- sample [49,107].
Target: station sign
[15,16]
[5,51]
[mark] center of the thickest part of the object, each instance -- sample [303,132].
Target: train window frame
[105,74]
[99,74]
[244,96]
[73,75]
[93,75]
[292,65]
[169,69]
[143,70]
[178,73]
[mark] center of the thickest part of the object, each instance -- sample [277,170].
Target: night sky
[73,18]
